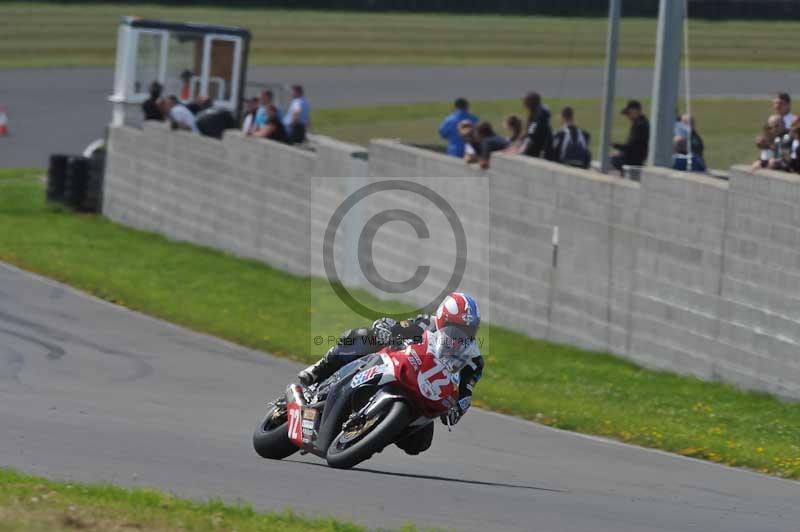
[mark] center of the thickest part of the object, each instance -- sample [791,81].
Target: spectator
[202,103]
[249,115]
[179,115]
[794,156]
[449,128]
[213,121]
[539,134]
[261,119]
[685,127]
[488,142]
[186,85]
[274,130]
[782,105]
[466,132]
[298,116]
[570,145]
[784,148]
[151,107]
[680,157]
[634,151]
[766,154]
[513,125]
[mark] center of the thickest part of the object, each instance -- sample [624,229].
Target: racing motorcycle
[367,405]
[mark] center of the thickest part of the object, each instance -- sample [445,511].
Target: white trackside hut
[190,61]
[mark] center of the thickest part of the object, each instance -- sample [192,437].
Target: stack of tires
[76,181]
[93,201]
[56,178]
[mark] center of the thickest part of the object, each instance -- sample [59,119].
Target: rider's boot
[353,344]
[324,368]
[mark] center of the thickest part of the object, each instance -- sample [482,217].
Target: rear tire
[343,456]
[271,437]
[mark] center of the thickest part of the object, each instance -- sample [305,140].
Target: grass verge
[728,127]
[32,503]
[254,305]
[41,34]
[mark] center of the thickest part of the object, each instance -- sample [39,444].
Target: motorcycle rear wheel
[347,451]
[271,437]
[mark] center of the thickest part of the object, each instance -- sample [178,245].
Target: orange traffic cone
[3,122]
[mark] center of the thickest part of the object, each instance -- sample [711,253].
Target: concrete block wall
[759,306]
[249,197]
[680,272]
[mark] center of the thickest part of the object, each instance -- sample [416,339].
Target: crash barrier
[679,271]
[56,178]
[76,181]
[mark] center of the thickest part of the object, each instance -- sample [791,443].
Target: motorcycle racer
[451,335]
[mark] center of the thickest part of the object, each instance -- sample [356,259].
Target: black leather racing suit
[356,343]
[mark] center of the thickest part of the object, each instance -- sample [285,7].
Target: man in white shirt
[180,115]
[298,116]
[782,105]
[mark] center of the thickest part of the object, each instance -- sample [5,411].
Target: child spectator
[570,145]
[298,116]
[488,142]
[449,128]
[180,116]
[151,107]
[682,161]
[539,133]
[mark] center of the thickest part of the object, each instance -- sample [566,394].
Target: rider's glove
[382,329]
[452,416]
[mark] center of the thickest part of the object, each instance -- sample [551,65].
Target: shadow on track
[439,478]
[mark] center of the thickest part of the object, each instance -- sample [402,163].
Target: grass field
[48,35]
[34,504]
[728,127]
[251,304]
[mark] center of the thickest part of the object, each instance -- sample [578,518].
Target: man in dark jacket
[539,133]
[151,106]
[634,151]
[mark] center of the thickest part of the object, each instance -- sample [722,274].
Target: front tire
[271,437]
[347,451]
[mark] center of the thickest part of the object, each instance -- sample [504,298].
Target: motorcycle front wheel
[271,437]
[359,443]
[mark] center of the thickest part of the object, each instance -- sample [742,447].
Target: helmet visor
[450,345]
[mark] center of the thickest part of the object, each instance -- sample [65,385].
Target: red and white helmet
[455,324]
[458,309]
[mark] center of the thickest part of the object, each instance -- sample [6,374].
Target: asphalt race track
[61,110]
[93,392]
